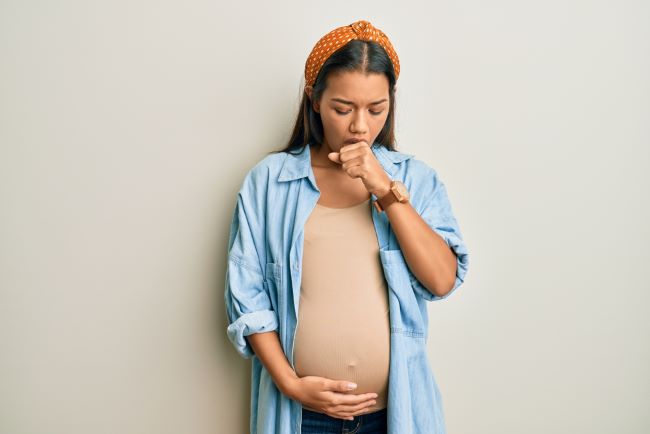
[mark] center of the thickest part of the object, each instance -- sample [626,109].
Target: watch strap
[381,203]
[386,200]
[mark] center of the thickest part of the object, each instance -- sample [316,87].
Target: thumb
[334,156]
[344,386]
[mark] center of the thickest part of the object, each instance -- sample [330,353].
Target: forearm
[268,349]
[427,254]
[429,257]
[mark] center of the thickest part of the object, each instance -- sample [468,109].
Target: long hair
[356,55]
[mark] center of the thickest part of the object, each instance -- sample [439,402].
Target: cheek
[379,122]
[334,122]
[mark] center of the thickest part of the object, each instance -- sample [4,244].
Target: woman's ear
[315,105]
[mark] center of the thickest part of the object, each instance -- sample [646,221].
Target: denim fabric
[319,423]
[263,275]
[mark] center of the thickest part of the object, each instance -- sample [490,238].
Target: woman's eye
[371,112]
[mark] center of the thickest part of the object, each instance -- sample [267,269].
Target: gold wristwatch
[397,193]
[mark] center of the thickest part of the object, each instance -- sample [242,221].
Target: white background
[126,128]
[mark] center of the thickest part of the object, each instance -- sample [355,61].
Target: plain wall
[126,128]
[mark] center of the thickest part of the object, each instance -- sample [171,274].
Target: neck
[319,156]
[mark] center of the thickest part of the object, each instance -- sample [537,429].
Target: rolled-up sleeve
[248,306]
[437,212]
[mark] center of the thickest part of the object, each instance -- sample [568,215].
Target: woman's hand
[359,161]
[331,397]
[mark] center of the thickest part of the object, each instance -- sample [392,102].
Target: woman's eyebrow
[341,100]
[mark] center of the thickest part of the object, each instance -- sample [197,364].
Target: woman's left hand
[358,160]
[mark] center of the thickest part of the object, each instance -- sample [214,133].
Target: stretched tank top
[343,329]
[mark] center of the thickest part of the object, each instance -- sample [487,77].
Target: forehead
[356,86]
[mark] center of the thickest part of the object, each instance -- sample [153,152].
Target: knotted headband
[337,38]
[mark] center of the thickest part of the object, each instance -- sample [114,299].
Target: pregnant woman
[336,243]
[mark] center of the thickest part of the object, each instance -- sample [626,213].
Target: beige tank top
[343,329]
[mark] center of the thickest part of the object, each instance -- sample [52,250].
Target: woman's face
[353,105]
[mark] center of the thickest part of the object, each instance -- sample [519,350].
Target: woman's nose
[359,124]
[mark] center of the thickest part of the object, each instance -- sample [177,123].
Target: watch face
[401,192]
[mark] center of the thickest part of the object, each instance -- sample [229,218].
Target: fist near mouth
[358,161]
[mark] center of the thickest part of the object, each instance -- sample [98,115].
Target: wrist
[397,192]
[382,191]
[289,385]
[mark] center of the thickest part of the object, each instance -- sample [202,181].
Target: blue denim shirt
[263,276]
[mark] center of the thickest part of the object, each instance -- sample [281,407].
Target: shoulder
[263,171]
[420,170]
[414,168]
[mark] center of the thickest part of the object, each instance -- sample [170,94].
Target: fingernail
[351,386]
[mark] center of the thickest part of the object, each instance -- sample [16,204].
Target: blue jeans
[320,423]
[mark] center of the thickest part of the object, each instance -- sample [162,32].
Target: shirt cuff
[247,324]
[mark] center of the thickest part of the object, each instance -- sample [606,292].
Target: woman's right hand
[331,397]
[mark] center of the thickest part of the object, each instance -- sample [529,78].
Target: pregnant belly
[343,347]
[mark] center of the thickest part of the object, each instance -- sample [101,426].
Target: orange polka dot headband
[337,38]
